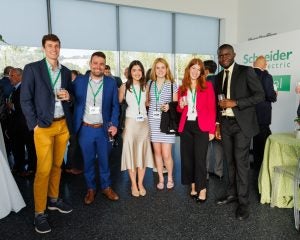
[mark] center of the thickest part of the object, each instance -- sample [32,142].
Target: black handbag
[170,120]
[122,116]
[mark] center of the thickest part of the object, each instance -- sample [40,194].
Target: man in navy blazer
[238,122]
[96,113]
[263,110]
[45,102]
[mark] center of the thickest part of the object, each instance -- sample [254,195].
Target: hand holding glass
[183,101]
[60,94]
[221,97]
[110,136]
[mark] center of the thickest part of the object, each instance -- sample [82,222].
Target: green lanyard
[157,93]
[98,90]
[53,83]
[193,92]
[138,99]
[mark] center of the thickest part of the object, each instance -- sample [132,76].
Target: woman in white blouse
[136,153]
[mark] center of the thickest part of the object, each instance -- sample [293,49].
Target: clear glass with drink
[184,100]
[110,136]
[220,98]
[59,94]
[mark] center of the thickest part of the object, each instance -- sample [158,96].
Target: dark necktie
[224,90]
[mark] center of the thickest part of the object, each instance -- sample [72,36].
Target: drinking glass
[110,136]
[220,98]
[184,100]
[59,94]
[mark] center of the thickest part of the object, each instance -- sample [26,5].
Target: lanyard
[53,83]
[138,99]
[98,90]
[157,93]
[193,92]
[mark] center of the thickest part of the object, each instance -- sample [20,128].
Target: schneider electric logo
[275,59]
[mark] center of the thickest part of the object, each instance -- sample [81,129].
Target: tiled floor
[158,215]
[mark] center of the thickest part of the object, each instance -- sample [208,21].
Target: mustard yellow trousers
[50,144]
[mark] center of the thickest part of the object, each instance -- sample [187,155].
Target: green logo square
[283,82]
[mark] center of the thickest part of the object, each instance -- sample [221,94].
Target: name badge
[156,114]
[139,118]
[94,110]
[192,117]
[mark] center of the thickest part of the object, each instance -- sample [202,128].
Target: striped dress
[155,134]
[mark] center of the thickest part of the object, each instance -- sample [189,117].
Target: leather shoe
[226,200]
[110,194]
[90,196]
[242,212]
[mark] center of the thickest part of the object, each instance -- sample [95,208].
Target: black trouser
[236,149]
[74,156]
[193,150]
[259,142]
[22,137]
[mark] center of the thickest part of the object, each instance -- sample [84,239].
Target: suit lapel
[234,80]
[63,78]
[103,94]
[45,74]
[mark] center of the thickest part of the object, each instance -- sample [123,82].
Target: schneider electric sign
[276,59]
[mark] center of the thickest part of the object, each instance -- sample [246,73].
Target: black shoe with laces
[41,223]
[60,206]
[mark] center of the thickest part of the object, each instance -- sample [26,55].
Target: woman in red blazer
[196,127]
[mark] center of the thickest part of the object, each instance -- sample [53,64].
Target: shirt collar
[50,66]
[17,85]
[230,69]
[96,81]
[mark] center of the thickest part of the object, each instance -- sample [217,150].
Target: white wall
[259,17]
[225,10]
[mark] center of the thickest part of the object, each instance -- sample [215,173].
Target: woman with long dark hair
[136,153]
[196,127]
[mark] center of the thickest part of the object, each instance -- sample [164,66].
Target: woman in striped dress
[159,96]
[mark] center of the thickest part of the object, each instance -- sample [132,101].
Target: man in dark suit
[263,110]
[5,82]
[45,101]
[18,130]
[96,113]
[7,89]
[215,153]
[238,122]
[107,72]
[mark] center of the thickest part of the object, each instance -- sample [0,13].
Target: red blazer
[205,107]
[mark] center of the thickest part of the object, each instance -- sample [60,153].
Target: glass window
[19,56]
[146,59]
[182,60]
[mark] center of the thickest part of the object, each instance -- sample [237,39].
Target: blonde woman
[160,94]
[136,153]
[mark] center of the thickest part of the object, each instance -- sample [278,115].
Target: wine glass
[220,98]
[110,136]
[59,94]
